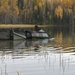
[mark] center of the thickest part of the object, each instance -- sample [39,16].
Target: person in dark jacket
[36,28]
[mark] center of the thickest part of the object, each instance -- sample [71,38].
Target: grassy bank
[15,26]
[18,26]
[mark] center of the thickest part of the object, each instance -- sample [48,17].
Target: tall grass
[18,73]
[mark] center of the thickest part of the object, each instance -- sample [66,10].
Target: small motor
[28,34]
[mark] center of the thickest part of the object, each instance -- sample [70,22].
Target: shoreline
[19,26]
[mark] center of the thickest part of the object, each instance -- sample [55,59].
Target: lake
[53,56]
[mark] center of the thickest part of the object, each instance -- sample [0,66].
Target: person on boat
[36,28]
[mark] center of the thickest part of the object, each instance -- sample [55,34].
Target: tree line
[60,12]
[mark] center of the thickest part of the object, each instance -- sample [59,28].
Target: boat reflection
[22,47]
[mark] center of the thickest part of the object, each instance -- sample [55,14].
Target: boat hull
[4,34]
[11,35]
[40,35]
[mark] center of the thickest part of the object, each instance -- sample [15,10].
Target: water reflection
[22,46]
[22,58]
[64,35]
[40,57]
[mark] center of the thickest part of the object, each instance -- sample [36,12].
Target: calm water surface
[54,56]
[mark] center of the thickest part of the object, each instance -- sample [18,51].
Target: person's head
[36,25]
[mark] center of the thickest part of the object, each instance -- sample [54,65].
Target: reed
[18,73]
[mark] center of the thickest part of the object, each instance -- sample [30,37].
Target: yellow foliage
[59,39]
[59,12]
[40,4]
[35,7]
[13,8]
[43,3]
[25,1]
[69,11]
[4,6]
[57,1]
[9,6]
[67,3]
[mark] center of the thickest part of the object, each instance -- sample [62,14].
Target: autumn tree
[68,13]
[37,11]
[4,8]
[8,11]
[73,9]
[13,11]
[59,12]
